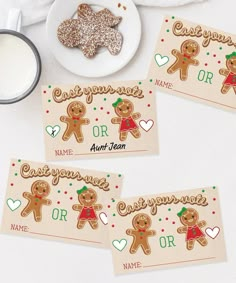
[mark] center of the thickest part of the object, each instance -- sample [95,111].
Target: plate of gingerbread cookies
[93,40]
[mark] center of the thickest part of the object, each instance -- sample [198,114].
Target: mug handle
[14,20]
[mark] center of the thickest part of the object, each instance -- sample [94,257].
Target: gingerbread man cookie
[184,58]
[87,207]
[90,31]
[230,73]
[76,111]
[141,223]
[124,109]
[192,227]
[40,190]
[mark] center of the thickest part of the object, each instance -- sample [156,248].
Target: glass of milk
[20,64]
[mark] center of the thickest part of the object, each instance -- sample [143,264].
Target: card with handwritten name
[196,62]
[99,120]
[57,203]
[166,230]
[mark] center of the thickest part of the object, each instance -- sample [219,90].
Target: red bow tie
[187,56]
[38,197]
[76,118]
[141,230]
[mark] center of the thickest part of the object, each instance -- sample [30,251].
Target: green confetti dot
[94,108]
[139,83]
[16,174]
[49,100]
[105,99]
[150,80]
[172,17]
[169,209]
[58,191]
[113,214]
[19,160]
[108,176]
[49,86]
[203,191]
[220,48]
[159,219]
[119,175]
[168,30]
[70,184]
[113,200]
[208,53]
[214,187]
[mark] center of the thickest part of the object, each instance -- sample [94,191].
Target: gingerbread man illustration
[87,208]
[36,199]
[230,73]
[124,109]
[192,227]
[184,58]
[76,111]
[141,223]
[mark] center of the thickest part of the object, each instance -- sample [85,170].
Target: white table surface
[197,149]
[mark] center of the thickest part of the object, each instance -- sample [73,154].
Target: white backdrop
[197,149]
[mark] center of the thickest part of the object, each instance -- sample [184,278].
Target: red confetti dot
[13,164]
[12,184]
[47,111]
[173,222]
[214,55]
[112,225]
[166,21]
[214,199]
[162,40]
[108,206]
[108,112]
[150,92]
[117,187]
[65,192]
[219,62]
[44,91]
[96,119]
[71,198]
[162,230]
[167,218]
[213,212]
[58,202]
[101,108]
[206,64]
[148,105]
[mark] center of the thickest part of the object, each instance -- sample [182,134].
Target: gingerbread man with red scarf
[76,111]
[192,227]
[184,58]
[126,118]
[141,223]
[87,208]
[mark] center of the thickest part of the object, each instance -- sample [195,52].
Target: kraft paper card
[166,230]
[195,61]
[99,120]
[57,203]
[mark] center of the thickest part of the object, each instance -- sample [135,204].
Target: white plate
[103,63]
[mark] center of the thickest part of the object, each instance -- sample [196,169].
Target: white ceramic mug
[20,63]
